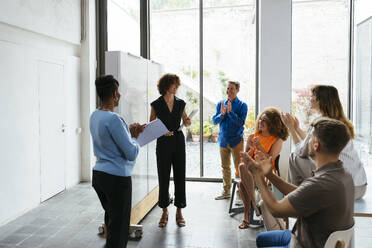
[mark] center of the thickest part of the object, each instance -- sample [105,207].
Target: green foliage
[188,72]
[191,98]
[172,4]
[208,128]
[217,53]
[223,80]
[250,121]
[206,73]
[193,73]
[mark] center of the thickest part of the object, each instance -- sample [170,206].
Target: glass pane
[363,78]
[123,26]
[320,51]
[229,54]
[155,71]
[174,42]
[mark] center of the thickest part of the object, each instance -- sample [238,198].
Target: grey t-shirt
[324,203]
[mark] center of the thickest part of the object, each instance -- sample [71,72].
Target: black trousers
[115,194]
[170,152]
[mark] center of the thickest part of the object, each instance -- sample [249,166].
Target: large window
[320,50]
[174,42]
[229,36]
[123,26]
[363,77]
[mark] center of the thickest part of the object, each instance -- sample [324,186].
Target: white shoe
[238,200]
[224,195]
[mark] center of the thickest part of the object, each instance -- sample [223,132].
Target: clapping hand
[256,141]
[229,107]
[263,164]
[296,123]
[250,145]
[223,109]
[288,120]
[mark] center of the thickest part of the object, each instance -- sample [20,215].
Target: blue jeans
[274,239]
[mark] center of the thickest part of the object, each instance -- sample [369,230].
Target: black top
[171,120]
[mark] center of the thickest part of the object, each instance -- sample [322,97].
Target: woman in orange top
[268,138]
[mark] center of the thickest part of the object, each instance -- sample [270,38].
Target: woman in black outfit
[170,148]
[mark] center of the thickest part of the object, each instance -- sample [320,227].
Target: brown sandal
[180,221]
[244,224]
[163,220]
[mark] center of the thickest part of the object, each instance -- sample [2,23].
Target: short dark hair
[166,81]
[333,135]
[106,85]
[236,83]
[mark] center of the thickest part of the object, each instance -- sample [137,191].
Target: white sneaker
[238,200]
[224,195]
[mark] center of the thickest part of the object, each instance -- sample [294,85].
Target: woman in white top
[324,100]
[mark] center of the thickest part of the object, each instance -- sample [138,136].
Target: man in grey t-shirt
[322,204]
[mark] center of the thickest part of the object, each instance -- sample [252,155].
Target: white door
[52,138]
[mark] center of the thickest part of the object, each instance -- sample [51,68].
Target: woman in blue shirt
[116,149]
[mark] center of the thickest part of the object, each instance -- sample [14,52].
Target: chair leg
[286,222]
[232,196]
[251,220]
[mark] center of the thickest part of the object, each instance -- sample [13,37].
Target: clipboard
[193,112]
[152,131]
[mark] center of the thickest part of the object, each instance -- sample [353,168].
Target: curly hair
[166,81]
[330,105]
[274,123]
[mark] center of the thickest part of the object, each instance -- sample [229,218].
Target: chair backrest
[276,164]
[341,239]
[276,192]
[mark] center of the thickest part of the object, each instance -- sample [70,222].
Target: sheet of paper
[193,112]
[152,131]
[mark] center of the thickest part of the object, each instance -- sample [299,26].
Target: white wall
[31,31]
[275,55]
[88,94]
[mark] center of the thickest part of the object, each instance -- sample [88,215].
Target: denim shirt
[231,124]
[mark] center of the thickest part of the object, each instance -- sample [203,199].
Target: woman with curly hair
[268,138]
[170,148]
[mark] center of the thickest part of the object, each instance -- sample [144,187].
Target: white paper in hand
[152,131]
[190,117]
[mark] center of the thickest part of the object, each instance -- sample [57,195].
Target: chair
[341,239]
[235,181]
[236,210]
[276,192]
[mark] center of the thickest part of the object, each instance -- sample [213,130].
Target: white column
[88,94]
[275,61]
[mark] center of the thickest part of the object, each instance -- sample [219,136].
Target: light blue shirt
[115,149]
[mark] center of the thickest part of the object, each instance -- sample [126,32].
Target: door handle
[63,127]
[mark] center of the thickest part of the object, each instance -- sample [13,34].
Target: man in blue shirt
[230,115]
